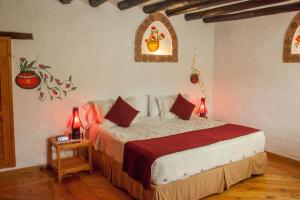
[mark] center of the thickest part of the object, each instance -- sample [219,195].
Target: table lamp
[75,124]
[202,108]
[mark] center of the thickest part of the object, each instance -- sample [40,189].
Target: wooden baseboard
[284,159]
[22,171]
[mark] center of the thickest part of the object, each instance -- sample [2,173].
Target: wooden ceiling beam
[96,3]
[231,8]
[16,35]
[198,6]
[167,4]
[65,1]
[126,4]
[254,13]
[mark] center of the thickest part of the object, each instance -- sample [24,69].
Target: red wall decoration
[40,77]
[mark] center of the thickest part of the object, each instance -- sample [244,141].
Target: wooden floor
[281,181]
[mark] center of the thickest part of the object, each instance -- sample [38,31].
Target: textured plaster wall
[253,86]
[95,46]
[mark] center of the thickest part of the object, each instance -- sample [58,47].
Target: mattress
[111,139]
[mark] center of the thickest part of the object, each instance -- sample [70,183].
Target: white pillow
[165,103]
[132,100]
[153,106]
[102,107]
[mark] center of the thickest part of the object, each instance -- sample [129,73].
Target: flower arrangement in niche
[154,39]
[40,77]
[297,41]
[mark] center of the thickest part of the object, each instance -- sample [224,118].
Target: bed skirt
[195,187]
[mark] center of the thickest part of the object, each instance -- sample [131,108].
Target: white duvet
[111,139]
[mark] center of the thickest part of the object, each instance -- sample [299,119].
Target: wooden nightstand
[76,163]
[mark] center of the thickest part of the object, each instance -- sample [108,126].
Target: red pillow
[182,108]
[121,113]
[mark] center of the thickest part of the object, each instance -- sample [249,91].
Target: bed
[189,174]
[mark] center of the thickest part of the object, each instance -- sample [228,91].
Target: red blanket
[139,155]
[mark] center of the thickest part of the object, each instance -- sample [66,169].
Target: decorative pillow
[164,104]
[97,109]
[182,108]
[121,113]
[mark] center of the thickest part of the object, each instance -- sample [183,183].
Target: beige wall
[96,46]
[252,85]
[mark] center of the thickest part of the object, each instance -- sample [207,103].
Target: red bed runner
[140,154]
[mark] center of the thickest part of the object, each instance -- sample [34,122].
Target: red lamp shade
[76,119]
[75,123]
[202,108]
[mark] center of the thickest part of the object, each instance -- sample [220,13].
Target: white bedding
[111,139]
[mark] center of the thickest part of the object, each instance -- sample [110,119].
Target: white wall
[96,46]
[253,86]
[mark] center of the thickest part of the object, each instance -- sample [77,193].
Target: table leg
[90,158]
[58,163]
[49,153]
[74,152]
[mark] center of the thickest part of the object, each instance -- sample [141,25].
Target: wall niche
[291,46]
[156,40]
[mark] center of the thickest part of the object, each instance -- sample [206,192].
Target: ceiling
[210,11]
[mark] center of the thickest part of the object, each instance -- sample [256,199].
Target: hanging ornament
[196,76]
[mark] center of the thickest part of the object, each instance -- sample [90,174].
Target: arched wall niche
[291,46]
[156,40]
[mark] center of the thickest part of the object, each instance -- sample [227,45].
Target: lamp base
[76,133]
[203,115]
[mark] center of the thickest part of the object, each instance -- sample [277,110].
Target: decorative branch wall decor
[31,77]
[156,40]
[291,46]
